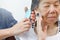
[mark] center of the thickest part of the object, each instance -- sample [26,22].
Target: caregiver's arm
[4,33]
[16,29]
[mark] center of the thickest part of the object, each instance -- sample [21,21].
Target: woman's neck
[51,26]
[52,30]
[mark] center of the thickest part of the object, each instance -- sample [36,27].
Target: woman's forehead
[49,1]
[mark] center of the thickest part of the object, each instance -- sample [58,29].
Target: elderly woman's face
[50,10]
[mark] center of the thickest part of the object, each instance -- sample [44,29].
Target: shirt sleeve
[10,21]
[7,19]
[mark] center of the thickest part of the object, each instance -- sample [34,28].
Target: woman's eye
[56,5]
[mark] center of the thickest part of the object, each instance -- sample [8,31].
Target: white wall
[16,7]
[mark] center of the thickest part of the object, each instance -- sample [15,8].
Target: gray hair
[34,4]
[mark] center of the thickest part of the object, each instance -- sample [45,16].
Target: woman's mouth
[52,17]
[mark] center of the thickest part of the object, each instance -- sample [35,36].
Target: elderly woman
[47,21]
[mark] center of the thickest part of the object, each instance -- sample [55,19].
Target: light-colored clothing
[55,37]
[30,35]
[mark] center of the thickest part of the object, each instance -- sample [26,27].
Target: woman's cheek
[43,12]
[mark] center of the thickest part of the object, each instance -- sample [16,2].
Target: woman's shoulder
[54,37]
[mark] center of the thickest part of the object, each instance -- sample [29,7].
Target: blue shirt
[6,19]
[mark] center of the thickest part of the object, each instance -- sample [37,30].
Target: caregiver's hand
[41,31]
[17,29]
[21,27]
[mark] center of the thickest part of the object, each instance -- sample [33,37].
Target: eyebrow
[56,1]
[46,3]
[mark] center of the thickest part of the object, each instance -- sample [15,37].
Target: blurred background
[16,7]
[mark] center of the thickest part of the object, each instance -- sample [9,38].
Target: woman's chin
[51,21]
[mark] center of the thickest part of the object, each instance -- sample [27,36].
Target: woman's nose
[52,9]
